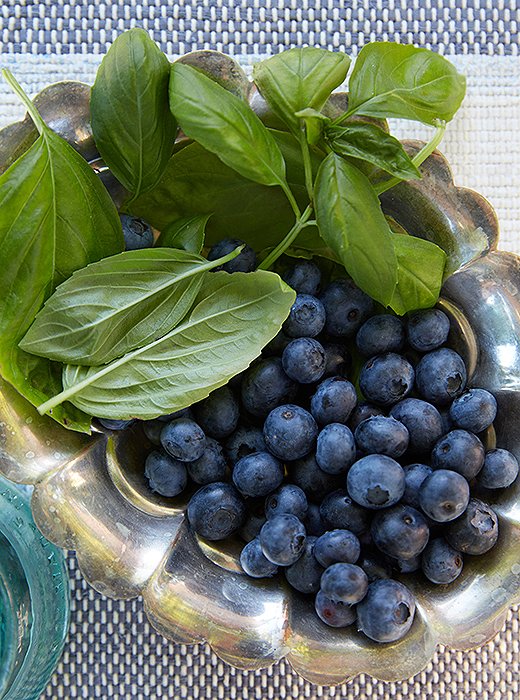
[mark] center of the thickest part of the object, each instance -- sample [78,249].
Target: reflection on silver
[90,494]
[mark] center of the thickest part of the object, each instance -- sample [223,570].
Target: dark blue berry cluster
[343,494]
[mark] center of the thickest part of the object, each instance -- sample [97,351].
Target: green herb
[118,304]
[186,233]
[234,317]
[133,127]
[314,122]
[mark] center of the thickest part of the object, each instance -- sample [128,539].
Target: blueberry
[386,379]
[447,423]
[334,400]
[333,613]
[441,376]
[244,441]
[414,475]
[305,574]
[380,334]
[306,317]
[115,424]
[304,360]
[183,439]
[444,495]
[374,567]
[137,233]
[166,475]
[440,562]
[476,531]
[499,471]
[314,525]
[401,531]
[216,511]
[265,385]
[361,412]
[254,562]
[459,451]
[376,481]
[344,583]
[306,474]
[257,474]
[304,277]
[387,611]
[427,329]
[182,413]
[289,498]
[382,435]
[290,432]
[337,546]
[423,422]
[475,410]
[218,414]
[283,539]
[338,361]
[210,466]
[346,306]
[408,566]
[335,449]
[339,511]
[253,523]
[244,262]
[152,429]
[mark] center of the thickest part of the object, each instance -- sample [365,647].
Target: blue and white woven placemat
[112,652]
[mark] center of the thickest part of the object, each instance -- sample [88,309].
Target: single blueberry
[334,400]
[459,451]
[306,317]
[474,410]
[338,361]
[427,329]
[386,379]
[332,613]
[283,539]
[414,475]
[376,481]
[499,471]
[290,432]
[152,429]
[304,360]
[265,385]
[289,498]
[382,435]
[313,522]
[305,574]
[344,583]
[375,567]
[254,562]
[380,334]
[304,277]
[253,522]
[216,511]
[444,495]
[183,439]
[447,423]
[306,474]
[110,424]
[401,531]
[361,412]
[257,474]
[346,307]
[387,611]
[137,233]
[218,414]
[441,376]
[335,449]
[423,422]
[244,441]
[440,562]
[244,262]
[166,476]
[182,413]
[476,531]
[408,566]
[210,466]
[337,546]
[339,511]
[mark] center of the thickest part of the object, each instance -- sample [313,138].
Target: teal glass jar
[34,599]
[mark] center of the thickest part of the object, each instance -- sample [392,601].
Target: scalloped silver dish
[90,494]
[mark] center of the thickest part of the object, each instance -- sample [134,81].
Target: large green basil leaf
[186,233]
[299,78]
[133,127]
[399,80]
[225,125]
[116,305]
[419,275]
[55,217]
[234,318]
[370,143]
[352,224]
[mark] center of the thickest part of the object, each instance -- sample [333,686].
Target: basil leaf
[398,80]
[420,273]
[351,222]
[225,125]
[186,233]
[132,124]
[370,143]
[234,318]
[55,217]
[314,124]
[299,78]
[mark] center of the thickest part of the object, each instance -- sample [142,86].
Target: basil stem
[302,222]
[307,163]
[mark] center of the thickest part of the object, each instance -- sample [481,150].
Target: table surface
[112,652]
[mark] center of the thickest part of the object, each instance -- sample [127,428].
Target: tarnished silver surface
[90,493]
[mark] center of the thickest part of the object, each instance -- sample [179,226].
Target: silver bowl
[90,494]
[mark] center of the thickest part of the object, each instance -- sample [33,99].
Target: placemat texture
[112,652]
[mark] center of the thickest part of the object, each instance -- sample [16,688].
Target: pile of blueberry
[342,494]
